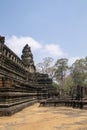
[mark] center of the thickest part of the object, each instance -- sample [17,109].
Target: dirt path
[46,118]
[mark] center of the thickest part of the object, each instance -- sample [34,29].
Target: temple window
[8,54]
[11,57]
[4,52]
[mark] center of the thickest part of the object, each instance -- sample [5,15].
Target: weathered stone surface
[27,59]
[20,85]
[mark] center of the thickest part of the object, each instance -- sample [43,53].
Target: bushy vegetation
[63,75]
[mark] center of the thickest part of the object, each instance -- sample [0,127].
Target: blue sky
[56,28]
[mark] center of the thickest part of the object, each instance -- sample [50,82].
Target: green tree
[68,84]
[61,67]
[79,72]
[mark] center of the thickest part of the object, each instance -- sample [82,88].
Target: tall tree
[61,69]
[68,84]
[79,71]
[46,66]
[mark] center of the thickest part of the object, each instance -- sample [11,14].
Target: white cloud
[17,43]
[39,49]
[54,50]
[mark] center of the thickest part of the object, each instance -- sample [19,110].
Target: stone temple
[20,84]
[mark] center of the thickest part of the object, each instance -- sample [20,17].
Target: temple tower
[27,59]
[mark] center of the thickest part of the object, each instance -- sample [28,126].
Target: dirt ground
[46,118]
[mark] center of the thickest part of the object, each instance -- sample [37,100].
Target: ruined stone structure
[20,85]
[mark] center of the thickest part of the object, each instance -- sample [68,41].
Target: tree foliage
[46,67]
[66,76]
[61,68]
[79,72]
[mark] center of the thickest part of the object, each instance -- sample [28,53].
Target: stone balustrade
[6,52]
